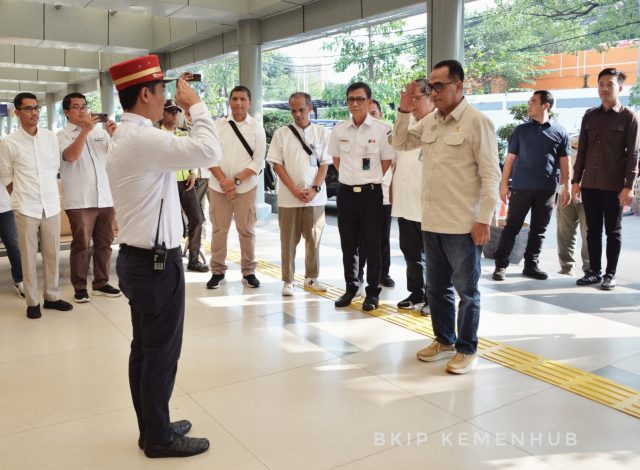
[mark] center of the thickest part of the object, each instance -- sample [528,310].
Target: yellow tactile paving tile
[580,382]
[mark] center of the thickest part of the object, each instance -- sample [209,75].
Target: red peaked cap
[134,71]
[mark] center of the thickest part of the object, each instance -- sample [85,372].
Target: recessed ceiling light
[137,8]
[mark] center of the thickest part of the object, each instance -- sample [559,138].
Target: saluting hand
[185,95]
[406,97]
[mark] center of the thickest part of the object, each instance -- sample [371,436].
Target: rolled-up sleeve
[485,149]
[257,164]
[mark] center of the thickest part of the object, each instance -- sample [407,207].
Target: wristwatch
[317,189]
[237,180]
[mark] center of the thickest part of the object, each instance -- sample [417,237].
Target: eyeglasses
[29,109]
[356,99]
[438,86]
[79,107]
[172,111]
[417,97]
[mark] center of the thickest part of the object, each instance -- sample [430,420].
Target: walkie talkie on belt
[159,252]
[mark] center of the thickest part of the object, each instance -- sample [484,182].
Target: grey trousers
[569,218]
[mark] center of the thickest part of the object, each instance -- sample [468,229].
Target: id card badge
[366,164]
[159,256]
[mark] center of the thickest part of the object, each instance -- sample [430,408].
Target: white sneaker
[314,285]
[287,289]
[19,288]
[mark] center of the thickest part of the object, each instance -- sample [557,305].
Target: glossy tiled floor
[293,383]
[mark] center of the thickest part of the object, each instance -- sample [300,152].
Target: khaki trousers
[49,228]
[221,211]
[307,222]
[568,220]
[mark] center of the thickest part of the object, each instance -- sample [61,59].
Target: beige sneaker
[314,285]
[287,289]
[462,363]
[435,352]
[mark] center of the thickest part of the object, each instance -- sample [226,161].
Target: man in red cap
[141,166]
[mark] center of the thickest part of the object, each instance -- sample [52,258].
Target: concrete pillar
[50,103]
[250,63]
[2,132]
[445,28]
[106,94]
[9,122]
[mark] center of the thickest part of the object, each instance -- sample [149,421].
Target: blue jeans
[9,236]
[453,261]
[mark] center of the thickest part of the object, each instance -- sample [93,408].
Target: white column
[250,63]
[106,94]
[445,29]
[50,103]
[9,121]
[2,133]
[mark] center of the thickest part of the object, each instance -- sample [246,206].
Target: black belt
[360,188]
[128,250]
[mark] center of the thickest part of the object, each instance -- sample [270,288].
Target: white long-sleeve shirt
[31,163]
[141,164]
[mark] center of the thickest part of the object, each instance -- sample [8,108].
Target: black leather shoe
[58,305]
[181,428]
[386,281]
[345,299]
[180,446]
[411,301]
[534,272]
[370,303]
[197,266]
[34,312]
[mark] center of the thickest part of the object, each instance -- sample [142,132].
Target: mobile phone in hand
[102,117]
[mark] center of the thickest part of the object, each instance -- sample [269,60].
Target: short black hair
[66,101]
[17,101]
[545,97]
[377,103]
[240,88]
[129,96]
[357,86]
[619,74]
[456,72]
[302,94]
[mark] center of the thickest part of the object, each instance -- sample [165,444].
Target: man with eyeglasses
[460,178]
[87,196]
[407,207]
[537,157]
[29,163]
[604,174]
[362,154]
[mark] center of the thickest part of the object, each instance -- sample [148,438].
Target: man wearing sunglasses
[460,178]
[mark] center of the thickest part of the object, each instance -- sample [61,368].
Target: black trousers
[521,201]
[360,212]
[385,247]
[156,299]
[412,248]
[599,206]
[195,218]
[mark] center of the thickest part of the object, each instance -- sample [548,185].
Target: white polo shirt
[141,164]
[31,163]
[235,157]
[286,150]
[84,182]
[361,150]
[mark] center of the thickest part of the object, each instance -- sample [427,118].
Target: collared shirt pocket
[345,147]
[454,139]
[372,149]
